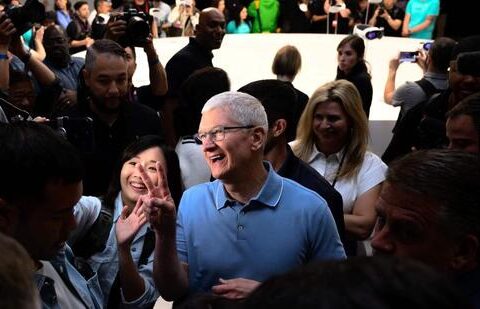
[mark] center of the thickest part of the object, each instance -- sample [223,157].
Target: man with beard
[196,55]
[116,121]
[279,101]
[65,67]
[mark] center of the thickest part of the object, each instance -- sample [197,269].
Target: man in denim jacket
[41,182]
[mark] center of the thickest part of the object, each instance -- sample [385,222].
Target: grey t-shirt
[410,94]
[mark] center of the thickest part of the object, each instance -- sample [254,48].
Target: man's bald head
[211,28]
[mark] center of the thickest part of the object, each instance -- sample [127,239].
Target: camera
[79,131]
[138,27]
[23,17]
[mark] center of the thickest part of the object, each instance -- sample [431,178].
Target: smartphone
[408,56]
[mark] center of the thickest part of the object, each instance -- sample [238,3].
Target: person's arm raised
[170,275]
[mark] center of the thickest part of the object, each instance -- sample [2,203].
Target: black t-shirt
[134,121]
[395,13]
[295,169]
[186,61]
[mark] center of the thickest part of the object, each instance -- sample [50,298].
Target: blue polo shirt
[284,226]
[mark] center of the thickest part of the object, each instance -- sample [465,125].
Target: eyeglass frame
[216,130]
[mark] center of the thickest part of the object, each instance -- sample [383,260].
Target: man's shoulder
[294,191]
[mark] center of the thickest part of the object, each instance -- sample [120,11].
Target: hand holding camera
[134,30]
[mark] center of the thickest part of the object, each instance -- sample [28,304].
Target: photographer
[78,29]
[150,94]
[389,16]
[103,96]
[21,88]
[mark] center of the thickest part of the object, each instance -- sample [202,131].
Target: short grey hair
[242,107]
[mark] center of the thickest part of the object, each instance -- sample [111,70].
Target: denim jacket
[106,263]
[87,291]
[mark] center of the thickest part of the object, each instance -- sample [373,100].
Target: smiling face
[347,58]
[130,181]
[210,29]
[226,158]
[408,226]
[330,126]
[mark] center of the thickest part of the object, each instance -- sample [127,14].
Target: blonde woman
[332,137]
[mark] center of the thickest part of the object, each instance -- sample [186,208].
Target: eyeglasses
[217,134]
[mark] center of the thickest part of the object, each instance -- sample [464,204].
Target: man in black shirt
[278,99]
[116,121]
[196,55]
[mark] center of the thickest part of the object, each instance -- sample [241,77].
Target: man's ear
[8,217]
[278,127]
[466,255]
[259,137]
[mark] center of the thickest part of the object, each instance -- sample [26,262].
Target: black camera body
[138,27]
[23,17]
[78,131]
[381,10]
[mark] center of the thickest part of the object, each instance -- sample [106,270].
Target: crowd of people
[113,195]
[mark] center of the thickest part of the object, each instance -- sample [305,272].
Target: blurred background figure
[264,14]
[99,18]
[183,18]
[239,23]
[79,30]
[352,67]
[420,17]
[389,16]
[64,14]
[160,12]
[286,65]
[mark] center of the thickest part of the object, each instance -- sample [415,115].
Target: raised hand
[7,29]
[235,288]
[158,203]
[128,224]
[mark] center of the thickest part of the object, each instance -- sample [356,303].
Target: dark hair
[141,144]
[287,61]
[79,4]
[33,155]
[469,106]
[236,14]
[360,283]
[16,76]
[200,86]
[441,53]
[467,44]
[277,98]
[103,46]
[451,178]
[355,42]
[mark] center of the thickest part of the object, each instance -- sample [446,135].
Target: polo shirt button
[240,227]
